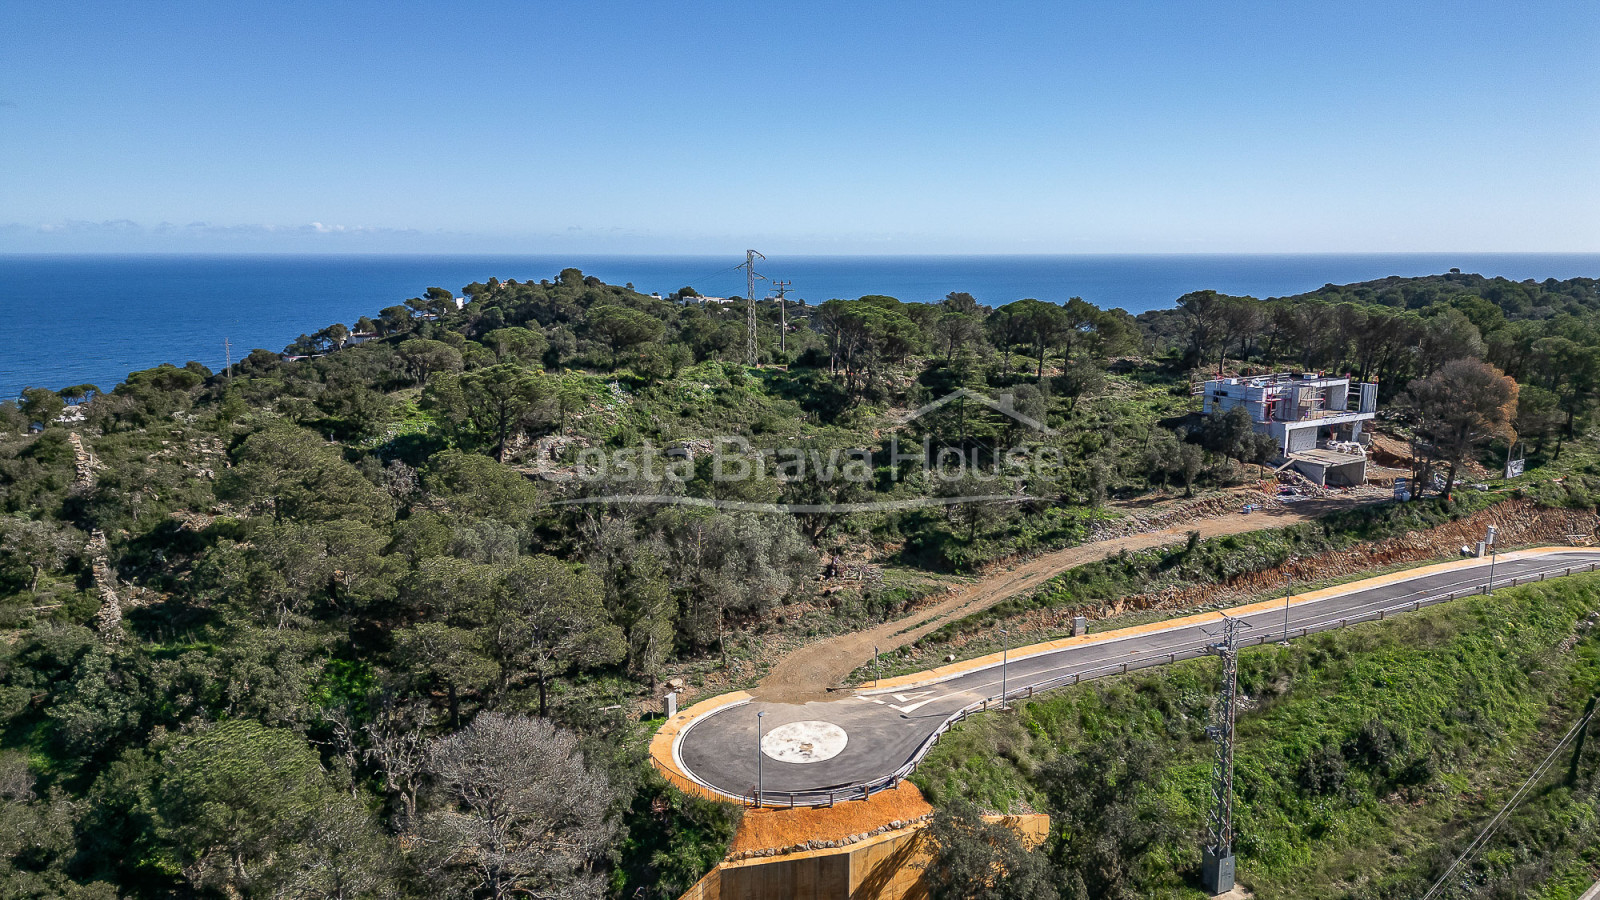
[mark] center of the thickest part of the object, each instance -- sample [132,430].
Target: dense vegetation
[1367,759]
[1544,335]
[345,622]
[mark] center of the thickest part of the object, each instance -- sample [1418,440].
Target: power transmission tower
[749,268]
[1217,864]
[783,316]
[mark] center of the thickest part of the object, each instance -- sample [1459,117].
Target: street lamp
[1005,652]
[759,716]
[876,670]
[1286,595]
[1493,554]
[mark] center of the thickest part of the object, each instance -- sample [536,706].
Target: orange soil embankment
[769,832]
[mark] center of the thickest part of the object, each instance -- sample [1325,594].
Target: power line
[1494,823]
[711,275]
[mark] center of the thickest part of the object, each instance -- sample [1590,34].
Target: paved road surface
[839,746]
[811,671]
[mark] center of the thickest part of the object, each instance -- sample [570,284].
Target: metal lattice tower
[1218,864]
[782,287]
[749,268]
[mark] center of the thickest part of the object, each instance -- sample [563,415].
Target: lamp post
[876,670]
[1493,555]
[1005,653]
[759,716]
[1286,595]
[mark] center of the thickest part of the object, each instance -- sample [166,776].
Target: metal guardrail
[830,795]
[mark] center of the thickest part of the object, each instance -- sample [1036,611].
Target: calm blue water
[77,319]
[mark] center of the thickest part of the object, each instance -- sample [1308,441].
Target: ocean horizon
[95,318]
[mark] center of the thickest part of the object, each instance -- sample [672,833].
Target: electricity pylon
[749,268]
[1217,862]
[782,288]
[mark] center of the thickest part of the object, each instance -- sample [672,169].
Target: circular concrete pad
[804,742]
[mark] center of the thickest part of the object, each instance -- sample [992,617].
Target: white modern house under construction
[1316,419]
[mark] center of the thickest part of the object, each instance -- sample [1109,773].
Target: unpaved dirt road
[807,674]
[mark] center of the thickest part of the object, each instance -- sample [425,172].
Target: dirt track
[807,674]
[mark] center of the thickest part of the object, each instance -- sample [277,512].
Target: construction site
[1316,420]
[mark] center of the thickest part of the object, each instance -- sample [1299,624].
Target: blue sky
[1065,127]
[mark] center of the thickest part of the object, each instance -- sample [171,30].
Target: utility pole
[783,318]
[1217,862]
[227,348]
[1286,594]
[759,716]
[1005,654]
[749,268]
[1494,554]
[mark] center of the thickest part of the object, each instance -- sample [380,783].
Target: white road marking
[906,706]
[804,742]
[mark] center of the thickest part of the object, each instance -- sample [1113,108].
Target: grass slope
[1365,759]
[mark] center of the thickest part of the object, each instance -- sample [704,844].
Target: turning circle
[804,742]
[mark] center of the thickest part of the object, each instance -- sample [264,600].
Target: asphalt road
[841,745]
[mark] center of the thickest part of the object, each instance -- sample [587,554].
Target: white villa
[1316,419]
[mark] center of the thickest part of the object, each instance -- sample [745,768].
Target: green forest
[360,619]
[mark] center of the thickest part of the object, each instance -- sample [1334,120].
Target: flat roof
[1326,458]
[1281,379]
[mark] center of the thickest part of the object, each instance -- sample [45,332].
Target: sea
[93,319]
